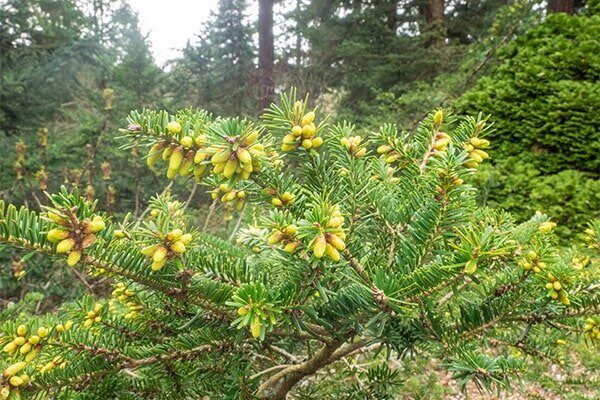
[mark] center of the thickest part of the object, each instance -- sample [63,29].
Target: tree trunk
[564,6]
[390,9]
[298,37]
[434,20]
[265,53]
[434,12]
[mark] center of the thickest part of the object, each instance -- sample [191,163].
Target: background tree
[543,97]
[433,11]
[266,68]
[219,69]
[82,53]
[362,49]
[43,45]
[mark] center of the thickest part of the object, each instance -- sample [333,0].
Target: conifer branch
[277,387]
[448,296]
[357,266]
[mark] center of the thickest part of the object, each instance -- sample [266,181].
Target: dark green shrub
[544,97]
[571,197]
[545,94]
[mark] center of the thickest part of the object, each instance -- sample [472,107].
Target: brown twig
[211,210]
[191,196]
[237,224]
[277,386]
[280,384]
[356,265]
[83,280]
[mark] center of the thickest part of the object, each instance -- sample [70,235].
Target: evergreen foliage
[406,102]
[39,57]
[369,247]
[571,197]
[544,95]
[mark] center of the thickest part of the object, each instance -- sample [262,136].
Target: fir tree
[361,247]
[219,67]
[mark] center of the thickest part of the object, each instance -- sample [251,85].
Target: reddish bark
[561,6]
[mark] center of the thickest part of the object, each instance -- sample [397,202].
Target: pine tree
[362,49]
[135,72]
[360,248]
[62,63]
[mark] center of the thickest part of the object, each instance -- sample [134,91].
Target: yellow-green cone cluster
[255,327]
[121,293]
[591,329]
[72,236]
[476,153]
[24,348]
[238,159]
[556,290]
[532,262]
[119,234]
[57,361]
[27,346]
[93,316]
[173,245]
[453,178]
[303,132]
[19,164]
[174,128]
[181,160]
[470,266]
[281,200]
[16,378]
[287,237]
[184,155]
[353,145]
[441,140]
[330,241]
[580,262]
[229,195]
[126,297]
[259,319]
[18,268]
[591,239]
[389,154]
[546,227]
